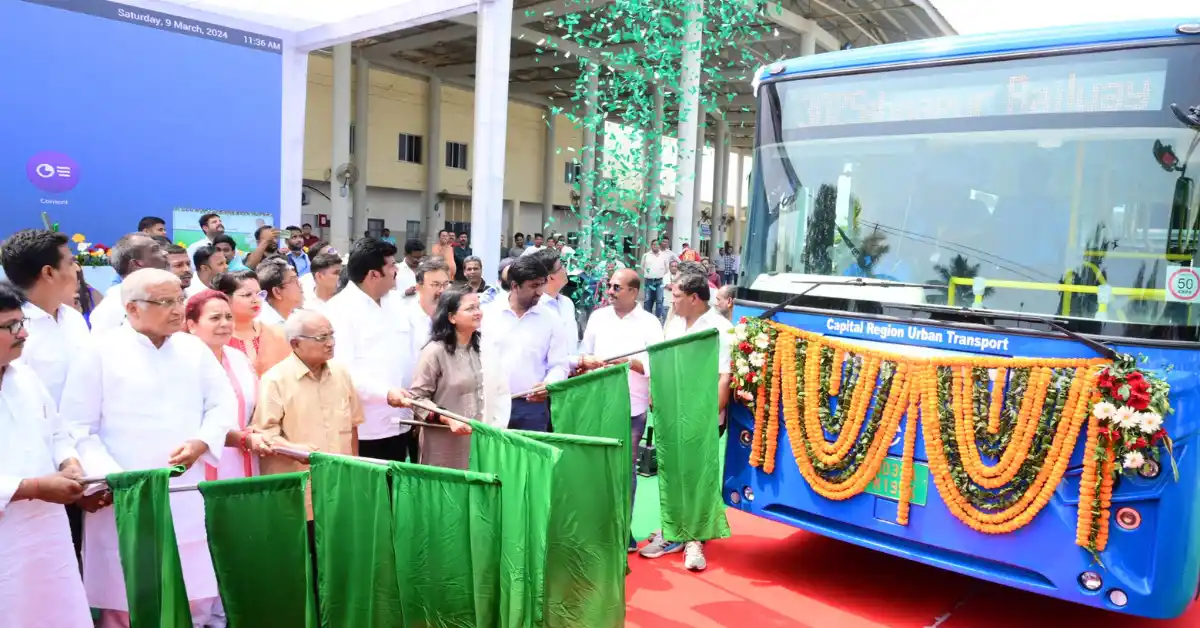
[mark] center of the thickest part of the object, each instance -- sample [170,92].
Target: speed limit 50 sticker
[1183,284]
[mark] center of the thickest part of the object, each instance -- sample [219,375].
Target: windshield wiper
[1095,345]
[858,282]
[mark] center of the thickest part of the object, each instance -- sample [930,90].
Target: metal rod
[419,423]
[607,361]
[430,407]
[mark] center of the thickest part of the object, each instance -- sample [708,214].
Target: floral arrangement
[1125,435]
[999,432]
[755,338]
[88,254]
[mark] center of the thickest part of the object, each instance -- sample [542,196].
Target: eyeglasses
[176,302]
[615,287]
[261,295]
[323,338]
[14,327]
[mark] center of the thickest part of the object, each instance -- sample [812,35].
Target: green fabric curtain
[684,389]
[585,566]
[526,470]
[597,404]
[447,543]
[256,523]
[356,565]
[148,549]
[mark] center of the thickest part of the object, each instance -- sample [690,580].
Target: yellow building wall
[398,105]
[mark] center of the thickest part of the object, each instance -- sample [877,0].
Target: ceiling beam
[401,66]
[775,13]
[554,8]
[516,63]
[424,40]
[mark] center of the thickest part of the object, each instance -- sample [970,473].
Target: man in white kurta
[148,396]
[39,575]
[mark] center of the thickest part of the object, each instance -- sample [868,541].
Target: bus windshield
[1053,185]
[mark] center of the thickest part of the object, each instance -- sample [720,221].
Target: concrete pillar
[686,198]
[720,182]
[738,208]
[808,45]
[654,189]
[434,211]
[510,226]
[697,186]
[340,203]
[587,155]
[362,98]
[549,173]
[493,46]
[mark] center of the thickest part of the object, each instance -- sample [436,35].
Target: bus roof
[963,46]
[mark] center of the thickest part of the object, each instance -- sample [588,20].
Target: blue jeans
[728,278]
[654,297]
[638,425]
[529,416]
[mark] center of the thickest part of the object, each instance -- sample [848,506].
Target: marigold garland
[1023,413]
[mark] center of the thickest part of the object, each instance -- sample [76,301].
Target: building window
[572,171]
[410,148]
[456,155]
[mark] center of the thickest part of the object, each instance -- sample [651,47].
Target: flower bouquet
[754,339]
[1125,436]
[88,254]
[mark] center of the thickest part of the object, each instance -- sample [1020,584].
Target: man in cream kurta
[148,396]
[39,577]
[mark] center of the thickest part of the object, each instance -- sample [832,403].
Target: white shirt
[657,265]
[609,335]
[712,319]
[52,344]
[420,323]
[269,315]
[405,277]
[196,287]
[533,347]
[308,286]
[196,246]
[373,341]
[532,249]
[41,585]
[130,404]
[110,313]
[564,308]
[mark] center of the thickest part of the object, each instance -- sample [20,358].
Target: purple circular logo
[52,172]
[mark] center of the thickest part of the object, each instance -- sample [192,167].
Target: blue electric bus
[1018,194]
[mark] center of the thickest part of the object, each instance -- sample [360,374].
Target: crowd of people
[219,363]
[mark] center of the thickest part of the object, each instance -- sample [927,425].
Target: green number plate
[887,483]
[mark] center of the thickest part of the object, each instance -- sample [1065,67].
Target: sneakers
[632,545]
[659,547]
[693,556]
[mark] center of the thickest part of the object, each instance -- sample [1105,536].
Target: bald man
[618,329]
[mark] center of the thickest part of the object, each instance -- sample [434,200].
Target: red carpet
[769,575]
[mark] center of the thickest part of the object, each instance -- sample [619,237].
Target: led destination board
[1079,87]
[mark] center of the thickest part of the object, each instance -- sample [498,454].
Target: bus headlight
[746,437]
[735,497]
[749,493]
[1150,470]
[1090,580]
[1118,598]
[1128,518]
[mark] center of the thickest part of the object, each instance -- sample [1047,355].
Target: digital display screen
[1125,85]
[114,112]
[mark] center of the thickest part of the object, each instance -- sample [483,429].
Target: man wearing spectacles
[308,403]
[144,396]
[39,472]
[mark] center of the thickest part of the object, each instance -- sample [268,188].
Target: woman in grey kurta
[450,374]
